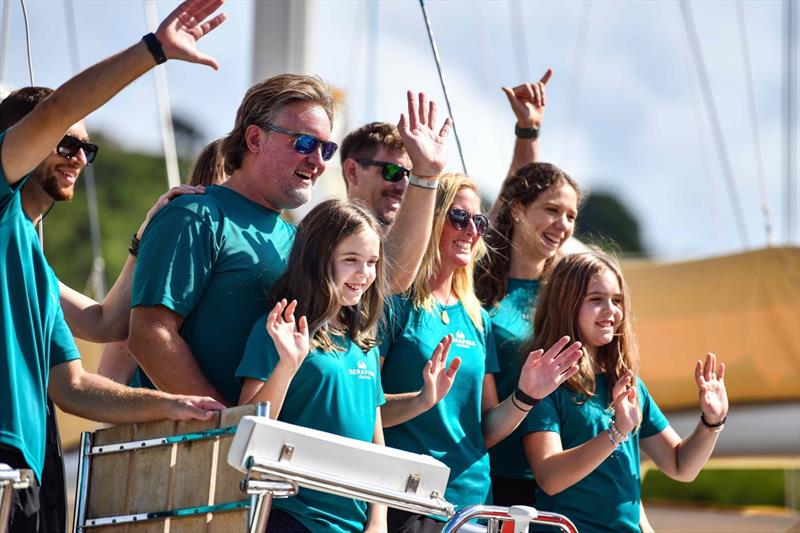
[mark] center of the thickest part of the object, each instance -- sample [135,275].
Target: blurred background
[678,118]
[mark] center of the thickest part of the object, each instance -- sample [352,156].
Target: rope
[441,80]
[164,111]
[582,37]
[716,129]
[27,41]
[6,7]
[751,107]
[97,275]
[518,39]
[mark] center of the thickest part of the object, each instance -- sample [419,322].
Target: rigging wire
[751,101]
[6,7]
[27,41]
[97,274]
[372,34]
[518,40]
[702,137]
[582,37]
[716,129]
[164,110]
[790,125]
[441,80]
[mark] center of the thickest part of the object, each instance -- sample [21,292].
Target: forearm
[500,421]
[693,453]
[525,151]
[400,408]
[407,239]
[561,470]
[167,360]
[35,136]
[273,390]
[101,399]
[116,363]
[100,322]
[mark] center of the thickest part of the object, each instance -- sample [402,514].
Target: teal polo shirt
[451,430]
[211,258]
[512,326]
[607,499]
[33,332]
[337,392]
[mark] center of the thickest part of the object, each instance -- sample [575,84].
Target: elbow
[548,485]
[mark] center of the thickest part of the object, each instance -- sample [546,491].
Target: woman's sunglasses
[306,144]
[68,147]
[391,172]
[459,219]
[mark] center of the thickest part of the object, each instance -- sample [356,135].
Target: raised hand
[290,336]
[627,414]
[528,101]
[543,372]
[180,31]
[437,376]
[426,148]
[710,384]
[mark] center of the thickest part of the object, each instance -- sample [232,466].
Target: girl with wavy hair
[470,418]
[533,217]
[583,441]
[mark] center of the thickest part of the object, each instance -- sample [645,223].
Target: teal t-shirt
[512,325]
[608,498]
[211,258]
[336,392]
[33,332]
[450,431]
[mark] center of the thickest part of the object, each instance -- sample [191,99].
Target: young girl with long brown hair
[533,217]
[583,441]
[471,417]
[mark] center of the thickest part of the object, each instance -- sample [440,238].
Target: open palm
[180,31]
[426,147]
[627,415]
[290,336]
[543,372]
[437,375]
[711,388]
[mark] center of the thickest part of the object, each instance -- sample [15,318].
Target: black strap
[154,46]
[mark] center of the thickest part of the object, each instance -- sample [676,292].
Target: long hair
[309,275]
[263,102]
[557,315]
[209,166]
[519,190]
[421,293]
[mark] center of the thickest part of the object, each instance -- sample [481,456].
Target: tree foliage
[606,222]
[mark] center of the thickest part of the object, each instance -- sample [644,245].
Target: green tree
[606,222]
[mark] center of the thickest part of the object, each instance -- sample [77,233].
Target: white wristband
[429,183]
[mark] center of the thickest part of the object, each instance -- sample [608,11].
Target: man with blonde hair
[206,262]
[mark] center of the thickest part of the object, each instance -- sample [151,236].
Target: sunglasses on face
[459,219]
[391,172]
[69,146]
[306,144]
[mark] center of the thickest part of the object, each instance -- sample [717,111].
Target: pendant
[445,317]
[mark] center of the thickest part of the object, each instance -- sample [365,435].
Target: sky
[624,111]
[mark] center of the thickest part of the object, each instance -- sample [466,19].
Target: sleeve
[176,260]
[62,343]
[653,419]
[380,399]
[492,364]
[543,417]
[260,356]
[391,324]
[6,190]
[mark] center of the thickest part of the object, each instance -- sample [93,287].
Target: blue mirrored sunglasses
[305,143]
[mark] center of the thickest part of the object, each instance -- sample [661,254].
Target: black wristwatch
[524,398]
[526,133]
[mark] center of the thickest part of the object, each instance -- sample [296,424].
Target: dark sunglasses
[459,219]
[69,146]
[390,171]
[304,143]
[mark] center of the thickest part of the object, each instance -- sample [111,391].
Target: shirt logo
[362,372]
[462,341]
